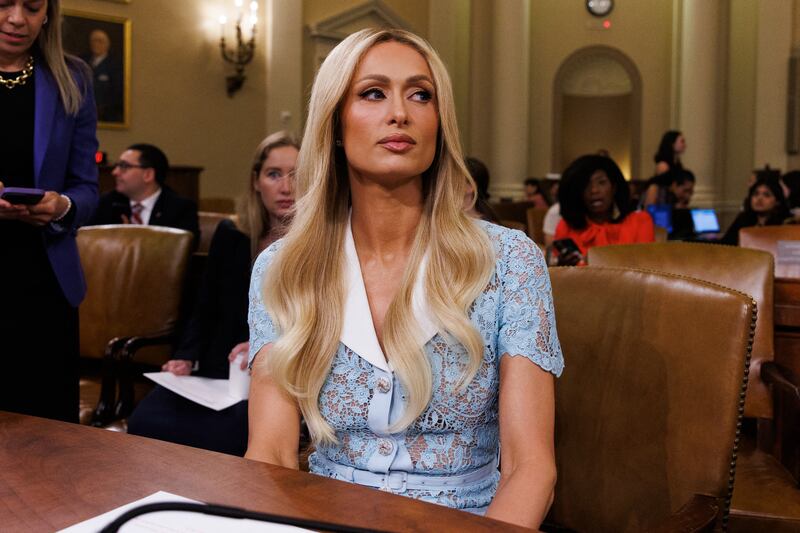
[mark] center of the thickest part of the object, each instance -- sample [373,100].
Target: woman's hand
[9,211]
[179,367]
[569,259]
[48,208]
[242,347]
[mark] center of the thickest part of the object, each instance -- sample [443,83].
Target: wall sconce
[242,52]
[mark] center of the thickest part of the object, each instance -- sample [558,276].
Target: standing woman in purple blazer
[48,141]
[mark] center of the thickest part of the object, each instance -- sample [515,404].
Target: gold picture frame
[111,70]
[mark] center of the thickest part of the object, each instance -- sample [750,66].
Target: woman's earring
[339,143]
[616,212]
[45,19]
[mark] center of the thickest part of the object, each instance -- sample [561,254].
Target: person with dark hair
[595,210]
[681,188]
[47,146]
[765,206]
[674,188]
[141,195]
[670,149]
[480,175]
[534,194]
[667,160]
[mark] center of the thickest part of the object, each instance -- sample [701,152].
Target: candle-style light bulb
[253,6]
[238,3]
[222,21]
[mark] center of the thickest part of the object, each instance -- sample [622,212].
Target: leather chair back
[766,238]
[661,234]
[208,225]
[513,224]
[513,211]
[748,271]
[217,204]
[135,277]
[648,405]
[536,224]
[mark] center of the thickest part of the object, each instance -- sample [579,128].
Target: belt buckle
[387,479]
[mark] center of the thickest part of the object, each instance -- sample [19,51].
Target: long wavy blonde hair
[304,289]
[252,216]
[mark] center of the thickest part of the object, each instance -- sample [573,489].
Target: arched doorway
[597,106]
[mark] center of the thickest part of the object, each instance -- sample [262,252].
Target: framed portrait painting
[104,43]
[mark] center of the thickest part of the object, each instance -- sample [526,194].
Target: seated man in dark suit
[141,197]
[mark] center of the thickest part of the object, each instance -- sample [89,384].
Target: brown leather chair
[774,503]
[513,211]
[748,271]
[767,496]
[766,238]
[208,225]
[536,224]
[661,234]
[513,224]
[135,277]
[217,204]
[649,405]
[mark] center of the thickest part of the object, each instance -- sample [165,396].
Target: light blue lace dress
[458,433]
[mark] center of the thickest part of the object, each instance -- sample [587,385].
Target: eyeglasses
[124,165]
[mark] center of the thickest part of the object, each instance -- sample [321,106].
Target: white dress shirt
[147,206]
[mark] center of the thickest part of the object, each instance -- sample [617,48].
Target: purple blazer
[64,147]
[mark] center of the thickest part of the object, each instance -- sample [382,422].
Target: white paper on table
[176,521]
[212,393]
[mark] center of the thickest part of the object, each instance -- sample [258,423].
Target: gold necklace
[21,79]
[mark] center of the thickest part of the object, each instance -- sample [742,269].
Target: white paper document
[212,393]
[176,521]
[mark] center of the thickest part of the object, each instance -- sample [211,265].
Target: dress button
[385,447]
[384,386]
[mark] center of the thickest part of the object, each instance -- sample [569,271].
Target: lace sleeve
[527,317]
[262,329]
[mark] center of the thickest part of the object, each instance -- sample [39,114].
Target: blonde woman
[217,332]
[411,338]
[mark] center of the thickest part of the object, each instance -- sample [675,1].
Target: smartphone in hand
[21,195]
[568,252]
[566,247]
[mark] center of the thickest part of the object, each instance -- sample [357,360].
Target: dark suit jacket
[219,320]
[170,211]
[108,89]
[63,155]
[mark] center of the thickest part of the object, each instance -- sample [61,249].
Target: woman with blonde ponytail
[410,337]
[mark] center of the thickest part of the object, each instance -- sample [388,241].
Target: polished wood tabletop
[54,474]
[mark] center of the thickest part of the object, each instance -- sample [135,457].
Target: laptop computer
[705,221]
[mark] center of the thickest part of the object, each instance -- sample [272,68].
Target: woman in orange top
[595,210]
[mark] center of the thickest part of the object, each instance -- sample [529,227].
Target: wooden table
[54,474]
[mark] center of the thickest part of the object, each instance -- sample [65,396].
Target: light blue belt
[398,481]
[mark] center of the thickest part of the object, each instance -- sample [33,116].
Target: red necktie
[136,213]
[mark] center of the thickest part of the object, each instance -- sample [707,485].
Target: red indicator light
[98,157]
[606,24]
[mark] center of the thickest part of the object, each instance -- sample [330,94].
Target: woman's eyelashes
[422,96]
[374,93]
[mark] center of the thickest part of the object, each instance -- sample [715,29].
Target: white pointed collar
[358,330]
